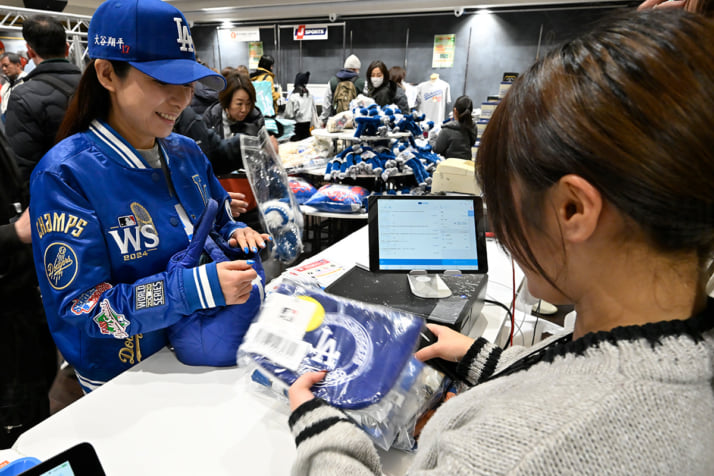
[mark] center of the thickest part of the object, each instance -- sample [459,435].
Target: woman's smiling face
[144,108]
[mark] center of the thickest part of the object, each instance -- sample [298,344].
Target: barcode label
[281,351]
[278,333]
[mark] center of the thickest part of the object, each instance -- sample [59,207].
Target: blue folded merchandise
[366,349]
[338,198]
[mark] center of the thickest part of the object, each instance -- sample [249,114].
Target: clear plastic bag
[279,210]
[366,349]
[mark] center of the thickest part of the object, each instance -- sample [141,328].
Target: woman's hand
[450,345]
[661,4]
[236,280]
[238,204]
[300,392]
[22,227]
[248,239]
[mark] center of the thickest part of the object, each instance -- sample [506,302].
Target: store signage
[310,32]
[245,34]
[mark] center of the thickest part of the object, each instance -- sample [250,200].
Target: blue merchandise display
[302,189]
[339,198]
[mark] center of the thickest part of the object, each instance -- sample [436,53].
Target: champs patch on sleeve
[149,295]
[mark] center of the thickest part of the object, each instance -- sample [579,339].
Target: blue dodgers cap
[153,37]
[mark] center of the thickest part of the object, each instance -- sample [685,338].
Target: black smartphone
[79,460]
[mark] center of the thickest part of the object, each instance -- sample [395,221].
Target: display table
[163,417]
[323,227]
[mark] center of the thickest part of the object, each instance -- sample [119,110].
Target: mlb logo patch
[127,220]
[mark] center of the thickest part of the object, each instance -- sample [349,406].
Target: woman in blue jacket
[120,195]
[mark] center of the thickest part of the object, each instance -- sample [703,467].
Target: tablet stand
[426,285]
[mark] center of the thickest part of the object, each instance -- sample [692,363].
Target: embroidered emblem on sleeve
[89,299]
[110,322]
[149,295]
[60,265]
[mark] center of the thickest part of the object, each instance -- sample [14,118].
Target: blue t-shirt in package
[339,198]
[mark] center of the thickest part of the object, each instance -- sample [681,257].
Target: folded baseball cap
[152,36]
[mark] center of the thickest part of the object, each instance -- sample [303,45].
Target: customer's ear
[579,206]
[106,75]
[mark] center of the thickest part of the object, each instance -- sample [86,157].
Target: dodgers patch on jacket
[60,265]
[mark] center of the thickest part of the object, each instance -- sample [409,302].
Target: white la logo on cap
[184,35]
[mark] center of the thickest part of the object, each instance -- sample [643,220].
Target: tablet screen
[431,233]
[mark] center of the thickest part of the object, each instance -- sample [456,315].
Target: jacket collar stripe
[116,144]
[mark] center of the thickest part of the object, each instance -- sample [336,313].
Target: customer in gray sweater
[606,206]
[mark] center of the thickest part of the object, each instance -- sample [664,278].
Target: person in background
[265,73]
[702,7]
[333,104]
[37,106]
[236,112]
[12,70]
[383,90]
[28,354]
[398,75]
[574,165]
[119,195]
[203,98]
[456,137]
[301,107]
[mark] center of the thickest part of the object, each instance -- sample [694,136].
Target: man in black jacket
[28,354]
[36,108]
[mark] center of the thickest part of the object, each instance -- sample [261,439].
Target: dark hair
[382,67]
[702,7]
[266,62]
[627,107]
[464,107]
[12,57]
[45,35]
[397,74]
[227,71]
[301,80]
[235,82]
[90,101]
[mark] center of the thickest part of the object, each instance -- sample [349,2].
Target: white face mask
[377,82]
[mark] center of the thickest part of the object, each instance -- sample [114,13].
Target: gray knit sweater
[635,400]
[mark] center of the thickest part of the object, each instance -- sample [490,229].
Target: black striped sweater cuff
[318,426]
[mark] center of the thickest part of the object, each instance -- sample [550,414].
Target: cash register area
[164,417]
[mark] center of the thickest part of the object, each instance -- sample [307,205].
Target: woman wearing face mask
[382,89]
